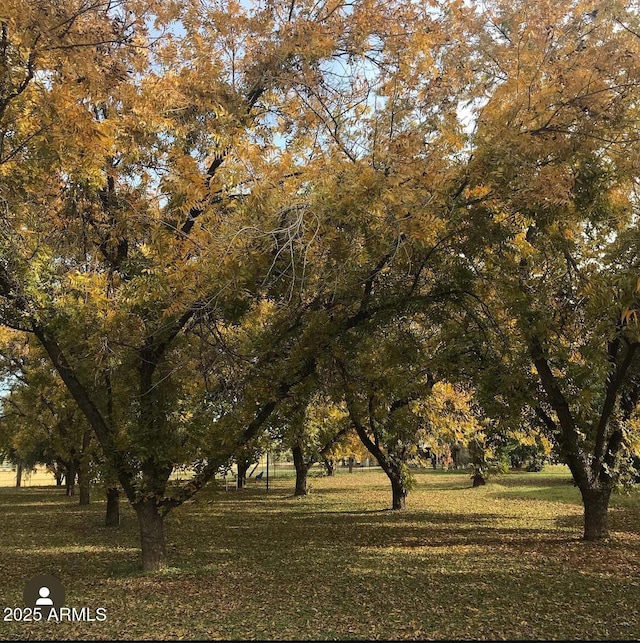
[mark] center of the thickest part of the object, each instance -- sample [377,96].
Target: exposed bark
[596,513]
[478,479]
[57,469]
[151,522]
[590,474]
[155,473]
[102,430]
[329,465]
[113,507]
[70,479]
[243,466]
[251,99]
[614,382]
[398,490]
[19,474]
[391,466]
[328,461]
[85,489]
[568,432]
[83,469]
[302,466]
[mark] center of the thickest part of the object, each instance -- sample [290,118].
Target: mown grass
[503,561]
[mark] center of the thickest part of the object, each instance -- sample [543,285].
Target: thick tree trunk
[243,467]
[85,492]
[19,474]
[351,461]
[151,523]
[113,507]
[478,479]
[596,513]
[398,491]
[302,468]
[83,483]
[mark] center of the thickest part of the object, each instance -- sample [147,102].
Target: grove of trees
[224,223]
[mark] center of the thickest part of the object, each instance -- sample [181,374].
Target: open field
[39,477]
[502,561]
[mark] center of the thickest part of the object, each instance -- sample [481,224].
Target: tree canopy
[207,207]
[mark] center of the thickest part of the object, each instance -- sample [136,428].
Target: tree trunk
[85,492]
[83,469]
[596,513]
[391,466]
[398,491]
[243,466]
[351,461]
[59,476]
[19,474]
[83,482]
[478,479]
[329,465]
[113,507]
[70,479]
[151,523]
[302,468]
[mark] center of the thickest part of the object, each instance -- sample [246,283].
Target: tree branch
[103,431]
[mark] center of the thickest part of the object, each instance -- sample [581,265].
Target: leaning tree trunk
[152,542]
[399,491]
[113,507]
[390,465]
[596,512]
[302,468]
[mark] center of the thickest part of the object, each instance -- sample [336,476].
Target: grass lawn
[501,561]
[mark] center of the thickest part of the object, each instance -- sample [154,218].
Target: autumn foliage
[214,213]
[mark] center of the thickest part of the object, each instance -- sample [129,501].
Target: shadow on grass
[562,494]
[425,529]
[374,528]
[533,479]
[252,565]
[623,520]
[443,486]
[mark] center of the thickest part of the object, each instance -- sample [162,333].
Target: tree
[555,160]
[312,427]
[40,422]
[350,447]
[246,456]
[450,421]
[138,170]
[383,389]
[302,459]
[330,426]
